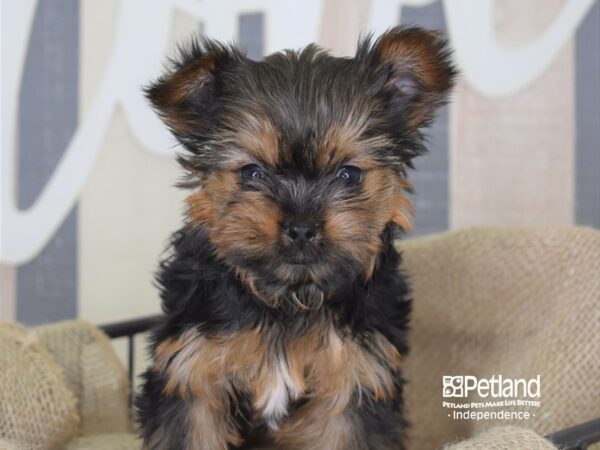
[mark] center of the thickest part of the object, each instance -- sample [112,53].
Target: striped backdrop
[530,157]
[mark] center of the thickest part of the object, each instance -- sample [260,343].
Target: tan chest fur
[319,363]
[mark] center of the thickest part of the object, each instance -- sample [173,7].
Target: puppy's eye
[250,172]
[350,175]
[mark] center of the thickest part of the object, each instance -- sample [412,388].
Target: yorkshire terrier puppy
[285,310]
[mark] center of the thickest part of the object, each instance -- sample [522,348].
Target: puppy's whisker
[298,302]
[321,300]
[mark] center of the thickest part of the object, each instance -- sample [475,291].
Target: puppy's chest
[294,370]
[324,367]
[275,372]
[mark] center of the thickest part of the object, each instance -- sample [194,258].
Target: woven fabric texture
[110,441]
[512,301]
[93,373]
[37,410]
[6,445]
[504,438]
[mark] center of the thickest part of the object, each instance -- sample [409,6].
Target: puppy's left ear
[187,95]
[414,70]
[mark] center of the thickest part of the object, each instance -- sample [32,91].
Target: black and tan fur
[270,340]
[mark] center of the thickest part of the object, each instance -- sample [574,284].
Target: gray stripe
[48,109]
[430,178]
[251,33]
[587,115]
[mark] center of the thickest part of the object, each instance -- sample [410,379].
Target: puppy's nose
[301,233]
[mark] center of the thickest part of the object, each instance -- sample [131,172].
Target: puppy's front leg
[318,425]
[210,428]
[361,425]
[372,426]
[180,420]
[185,401]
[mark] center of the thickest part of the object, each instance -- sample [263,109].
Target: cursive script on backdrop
[138,52]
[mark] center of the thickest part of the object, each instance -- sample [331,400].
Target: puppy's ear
[186,95]
[414,71]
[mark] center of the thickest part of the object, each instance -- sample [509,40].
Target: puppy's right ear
[186,95]
[416,68]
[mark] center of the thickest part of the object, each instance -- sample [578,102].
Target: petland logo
[462,386]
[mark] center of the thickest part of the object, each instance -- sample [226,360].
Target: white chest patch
[275,398]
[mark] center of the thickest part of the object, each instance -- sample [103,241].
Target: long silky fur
[227,284]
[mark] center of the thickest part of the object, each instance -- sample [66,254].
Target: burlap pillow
[5,445]
[37,410]
[117,441]
[504,438]
[93,373]
[519,302]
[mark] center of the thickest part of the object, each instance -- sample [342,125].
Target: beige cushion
[512,301]
[37,410]
[93,372]
[6,445]
[504,438]
[117,441]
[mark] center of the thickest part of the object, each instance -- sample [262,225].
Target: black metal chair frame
[579,437]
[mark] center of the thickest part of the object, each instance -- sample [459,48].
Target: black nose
[301,233]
